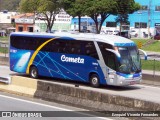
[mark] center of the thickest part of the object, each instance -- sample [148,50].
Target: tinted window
[109,57]
[27,43]
[72,47]
[111,24]
[90,50]
[103,46]
[58,45]
[140,25]
[157,8]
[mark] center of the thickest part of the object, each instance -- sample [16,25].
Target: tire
[94,80]
[33,72]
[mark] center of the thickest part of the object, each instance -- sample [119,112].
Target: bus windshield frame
[130,61]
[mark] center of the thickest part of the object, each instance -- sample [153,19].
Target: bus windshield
[130,60]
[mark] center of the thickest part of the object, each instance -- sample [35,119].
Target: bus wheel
[33,72]
[94,80]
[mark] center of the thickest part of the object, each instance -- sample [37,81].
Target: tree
[99,10]
[45,10]
[125,7]
[122,19]
[75,8]
[10,5]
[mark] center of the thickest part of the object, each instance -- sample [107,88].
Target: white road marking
[27,101]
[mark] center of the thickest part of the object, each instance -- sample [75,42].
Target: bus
[85,57]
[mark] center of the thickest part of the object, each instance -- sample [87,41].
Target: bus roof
[110,39]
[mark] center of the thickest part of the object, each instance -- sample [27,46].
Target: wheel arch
[91,73]
[33,74]
[32,66]
[101,77]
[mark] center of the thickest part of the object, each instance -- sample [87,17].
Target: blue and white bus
[93,58]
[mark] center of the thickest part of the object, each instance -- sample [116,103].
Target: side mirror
[144,53]
[116,53]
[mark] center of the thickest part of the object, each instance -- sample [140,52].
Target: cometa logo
[71,59]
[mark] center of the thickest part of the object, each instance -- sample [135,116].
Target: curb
[75,96]
[149,79]
[20,85]
[90,98]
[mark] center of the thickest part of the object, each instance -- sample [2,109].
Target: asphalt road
[5,72]
[14,105]
[143,92]
[18,107]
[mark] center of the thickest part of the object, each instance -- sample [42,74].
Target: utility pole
[149,17]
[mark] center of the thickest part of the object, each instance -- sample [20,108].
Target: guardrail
[6,80]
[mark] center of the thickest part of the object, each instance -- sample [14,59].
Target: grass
[143,41]
[3,50]
[4,39]
[155,47]
[150,65]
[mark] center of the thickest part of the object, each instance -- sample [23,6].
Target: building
[143,22]
[24,22]
[147,20]
[31,23]
[62,22]
[5,22]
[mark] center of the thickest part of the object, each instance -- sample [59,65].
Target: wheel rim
[34,73]
[94,80]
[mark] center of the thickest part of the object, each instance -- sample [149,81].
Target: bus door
[109,59]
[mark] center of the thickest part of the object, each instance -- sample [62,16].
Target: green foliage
[122,19]
[102,8]
[45,9]
[92,8]
[10,5]
[125,7]
[75,8]
[28,5]
[40,6]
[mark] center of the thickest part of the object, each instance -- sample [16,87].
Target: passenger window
[73,47]
[90,50]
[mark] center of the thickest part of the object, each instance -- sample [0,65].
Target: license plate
[132,83]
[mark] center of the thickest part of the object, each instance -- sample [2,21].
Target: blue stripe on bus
[124,44]
[128,75]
